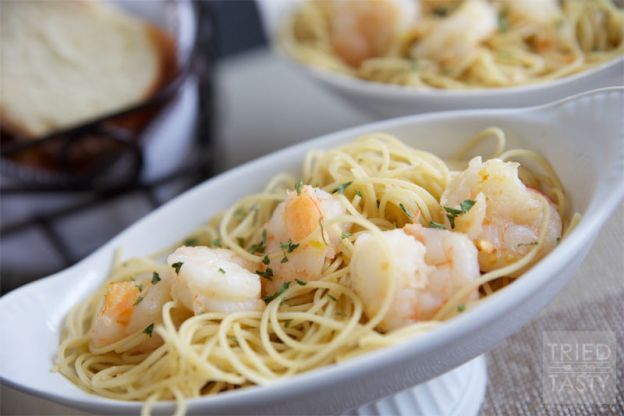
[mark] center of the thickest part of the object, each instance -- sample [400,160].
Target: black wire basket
[103,159]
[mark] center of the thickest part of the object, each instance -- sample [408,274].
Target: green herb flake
[267,274]
[260,247]
[177,266]
[558,240]
[464,207]
[299,186]
[266,260]
[345,234]
[461,308]
[280,292]
[240,241]
[149,329]
[239,214]
[439,12]
[342,188]
[466,204]
[289,246]
[284,260]
[155,278]
[503,24]
[301,282]
[358,193]
[405,211]
[190,242]
[138,300]
[140,287]
[332,297]
[433,224]
[216,242]
[221,270]
[532,243]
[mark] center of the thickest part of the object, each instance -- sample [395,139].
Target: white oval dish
[583,137]
[392,100]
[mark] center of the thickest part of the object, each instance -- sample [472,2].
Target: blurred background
[231,100]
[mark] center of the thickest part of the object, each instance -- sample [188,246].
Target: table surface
[264,104]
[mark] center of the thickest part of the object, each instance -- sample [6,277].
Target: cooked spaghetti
[453,44]
[197,342]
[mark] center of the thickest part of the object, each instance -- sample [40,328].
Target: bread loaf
[63,63]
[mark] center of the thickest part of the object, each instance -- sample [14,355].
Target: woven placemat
[515,367]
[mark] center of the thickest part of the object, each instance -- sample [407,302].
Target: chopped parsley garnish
[149,329]
[284,260]
[216,242]
[322,232]
[532,243]
[140,287]
[267,274]
[342,187]
[260,247]
[503,24]
[289,246]
[298,186]
[332,297]
[221,270]
[239,213]
[466,204]
[345,234]
[240,241]
[440,12]
[138,300]
[358,193]
[266,260]
[461,308]
[155,278]
[301,282]
[281,290]
[558,240]
[405,210]
[191,242]
[177,266]
[464,207]
[433,224]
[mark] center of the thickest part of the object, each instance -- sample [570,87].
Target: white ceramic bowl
[392,101]
[583,137]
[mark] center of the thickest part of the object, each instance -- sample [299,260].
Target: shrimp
[456,37]
[214,280]
[506,218]
[363,29]
[428,267]
[129,307]
[295,219]
[541,12]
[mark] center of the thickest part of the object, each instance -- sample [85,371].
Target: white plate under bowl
[583,137]
[393,100]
